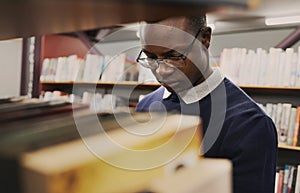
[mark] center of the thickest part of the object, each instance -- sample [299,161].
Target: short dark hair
[196,22]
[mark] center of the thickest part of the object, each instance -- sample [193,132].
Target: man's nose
[163,69]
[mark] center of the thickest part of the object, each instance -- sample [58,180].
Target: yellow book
[121,160]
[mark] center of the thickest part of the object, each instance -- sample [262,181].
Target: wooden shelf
[273,94]
[271,89]
[106,87]
[104,84]
[39,17]
[287,147]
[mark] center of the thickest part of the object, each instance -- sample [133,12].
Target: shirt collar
[201,90]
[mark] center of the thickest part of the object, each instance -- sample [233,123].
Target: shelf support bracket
[290,40]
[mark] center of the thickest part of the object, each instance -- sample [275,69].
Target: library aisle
[68,95]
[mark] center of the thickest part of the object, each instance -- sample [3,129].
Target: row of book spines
[96,101]
[287,179]
[94,68]
[276,68]
[287,121]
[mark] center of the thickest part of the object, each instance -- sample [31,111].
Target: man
[234,127]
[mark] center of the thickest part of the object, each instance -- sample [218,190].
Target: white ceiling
[267,8]
[233,19]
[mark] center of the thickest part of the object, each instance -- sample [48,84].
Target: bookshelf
[125,89]
[52,16]
[273,94]
[142,88]
[278,94]
[287,147]
[58,16]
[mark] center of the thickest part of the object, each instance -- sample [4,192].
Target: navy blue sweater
[247,135]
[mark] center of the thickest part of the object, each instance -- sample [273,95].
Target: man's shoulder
[156,95]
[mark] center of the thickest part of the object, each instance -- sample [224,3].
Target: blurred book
[142,147]
[45,146]
[206,176]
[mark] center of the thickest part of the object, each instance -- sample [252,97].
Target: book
[278,67]
[280,181]
[47,127]
[278,118]
[298,68]
[92,68]
[207,176]
[294,180]
[291,127]
[276,181]
[284,123]
[59,168]
[113,70]
[286,175]
[297,184]
[290,179]
[296,129]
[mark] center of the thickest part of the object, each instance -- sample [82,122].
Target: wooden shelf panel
[270,94]
[287,147]
[58,16]
[126,88]
[288,155]
[104,84]
[271,89]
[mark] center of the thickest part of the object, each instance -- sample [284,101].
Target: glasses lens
[148,63]
[178,63]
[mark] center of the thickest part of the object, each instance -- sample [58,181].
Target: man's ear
[206,36]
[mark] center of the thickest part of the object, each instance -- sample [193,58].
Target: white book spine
[93,68]
[60,69]
[288,66]
[276,67]
[45,69]
[291,127]
[285,117]
[269,109]
[297,185]
[293,78]
[274,114]
[278,117]
[235,66]
[53,64]
[262,67]
[282,71]
[276,182]
[242,70]
[225,62]
[250,69]
[298,68]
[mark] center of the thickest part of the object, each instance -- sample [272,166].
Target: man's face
[160,41]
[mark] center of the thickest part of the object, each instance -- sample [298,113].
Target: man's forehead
[178,22]
[164,34]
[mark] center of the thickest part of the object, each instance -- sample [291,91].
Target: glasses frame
[182,57]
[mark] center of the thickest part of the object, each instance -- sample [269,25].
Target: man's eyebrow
[176,49]
[148,52]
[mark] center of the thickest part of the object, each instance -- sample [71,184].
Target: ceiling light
[282,20]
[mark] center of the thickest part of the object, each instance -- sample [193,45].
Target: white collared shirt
[201,90]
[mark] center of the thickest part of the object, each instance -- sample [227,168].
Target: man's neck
[207,73]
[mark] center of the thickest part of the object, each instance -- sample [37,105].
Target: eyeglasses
[171,61]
